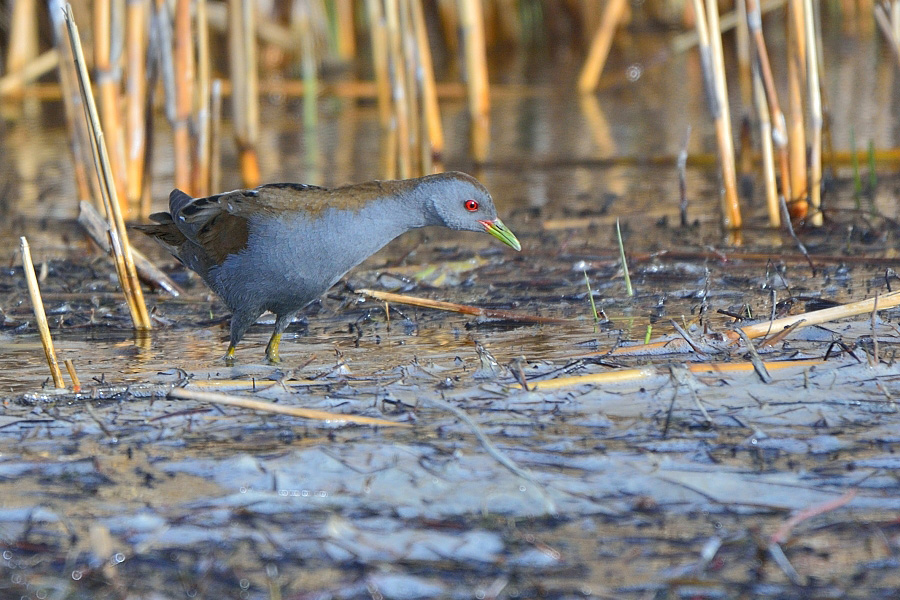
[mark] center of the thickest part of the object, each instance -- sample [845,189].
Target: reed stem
[40,316]
[600,45]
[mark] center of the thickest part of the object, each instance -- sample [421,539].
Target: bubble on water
[634,72]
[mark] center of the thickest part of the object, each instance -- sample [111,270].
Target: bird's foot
[272,349]
[229,355]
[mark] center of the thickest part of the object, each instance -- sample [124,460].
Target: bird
[280,246]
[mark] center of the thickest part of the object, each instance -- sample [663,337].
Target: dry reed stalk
[779,126]
[161,25]
[107,78]
[430,108]
[815,116]
[259,384]
[687,40]
[310,80]
[184,95]
[817,317]
[411,64]
[472,24]
[201,159]
[796,64]
[717,97]
[14,81]
[40,316]
[768,151]
[464,309]
[346,38]
[271,407]
[449,21]
[79,138]
[73,375]
[125,269]
[215,136]
[890,26]
[625,375]
[381,59]
[389,154]
[611,377]
[398,88]
[245,79]
[135,91]
[600,45]
[732,209]
[23,39]
[742,42]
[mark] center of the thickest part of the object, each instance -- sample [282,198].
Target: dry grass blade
[758,365]
[269,407]
[461,308]
[39,315]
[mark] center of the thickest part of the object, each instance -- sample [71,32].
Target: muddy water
[669,486]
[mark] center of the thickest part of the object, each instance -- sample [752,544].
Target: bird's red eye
[471,205]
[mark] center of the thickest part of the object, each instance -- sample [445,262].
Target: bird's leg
[272,348]
[281,323]
[240,323]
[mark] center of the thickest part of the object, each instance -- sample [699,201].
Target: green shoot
[873,179]
[591,298]
[628,289]
[854,161]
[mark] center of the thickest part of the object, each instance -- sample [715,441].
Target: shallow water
[629,490]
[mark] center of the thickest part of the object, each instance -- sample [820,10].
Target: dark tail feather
[166,234]
[178,200]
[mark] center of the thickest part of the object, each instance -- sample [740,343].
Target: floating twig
[270,407]
[465,309]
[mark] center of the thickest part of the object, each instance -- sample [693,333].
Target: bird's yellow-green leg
[272,348]
[229,354]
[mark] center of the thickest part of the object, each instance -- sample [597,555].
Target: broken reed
[40,316]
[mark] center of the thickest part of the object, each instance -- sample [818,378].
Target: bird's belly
[284,268]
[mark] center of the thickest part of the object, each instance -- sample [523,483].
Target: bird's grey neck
[415,201]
